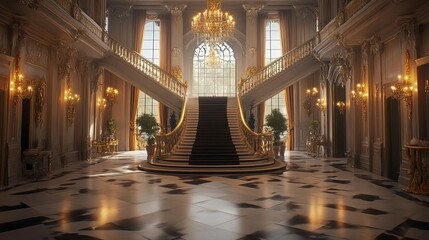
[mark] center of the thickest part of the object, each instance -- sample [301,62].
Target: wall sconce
[310,100]
[360,97]
[71,100]
[341,107]
[321,104]
[403,90]
[111,94]
[21,88]
[101,104]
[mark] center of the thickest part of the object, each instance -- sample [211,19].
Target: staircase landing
[212,143]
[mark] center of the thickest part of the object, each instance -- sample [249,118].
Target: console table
[36,163]
[418,169]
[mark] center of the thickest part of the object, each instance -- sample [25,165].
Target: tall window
[150,51]
[209,80]
[272,52]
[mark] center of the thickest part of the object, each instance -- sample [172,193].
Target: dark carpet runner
[213,144]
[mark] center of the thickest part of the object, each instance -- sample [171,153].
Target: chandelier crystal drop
[213,25]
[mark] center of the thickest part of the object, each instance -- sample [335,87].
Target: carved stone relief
[36,53]
[376,45]
[4,41]
[40,99]
[342,61]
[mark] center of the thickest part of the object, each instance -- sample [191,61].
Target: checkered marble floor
[109,198]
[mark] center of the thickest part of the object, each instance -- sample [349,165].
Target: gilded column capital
[176,9]
[65,54]
[365,48]
[252,9]
[376,45]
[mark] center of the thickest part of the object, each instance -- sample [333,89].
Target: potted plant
[148,127]
[277,122]
[111,125]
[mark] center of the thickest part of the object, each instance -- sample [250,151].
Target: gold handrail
[165,142]
[276,67]
[261,143]
[148,68]
[132,57]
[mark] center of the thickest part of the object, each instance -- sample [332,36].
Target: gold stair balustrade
[261,143]
[165,142]
[245,85]
[132,57]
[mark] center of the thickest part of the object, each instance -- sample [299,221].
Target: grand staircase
[212,143]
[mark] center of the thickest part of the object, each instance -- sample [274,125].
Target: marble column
[377,105]
[176,11]
[252,11]
[367,115]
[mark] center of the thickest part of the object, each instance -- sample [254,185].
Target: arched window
[150,51]
[213,71]
[272,52]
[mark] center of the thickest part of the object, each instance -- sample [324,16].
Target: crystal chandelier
[213,25]
[212,60]
[21,88]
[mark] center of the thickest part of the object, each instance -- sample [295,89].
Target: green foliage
[173,121]
[148,126]
[111,125]
[277,122]
[314,127]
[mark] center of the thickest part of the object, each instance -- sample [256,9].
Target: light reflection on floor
[108,198]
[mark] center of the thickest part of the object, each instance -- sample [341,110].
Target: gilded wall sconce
[71,100]
[321,104]
[403,88]
[21,88]
[310,101]
[360,96]
[341,106]
[40,103]
[111,94]
[101,104]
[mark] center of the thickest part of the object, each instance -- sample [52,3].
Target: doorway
[25,124]
[393,135]
[3,135]
[339,118]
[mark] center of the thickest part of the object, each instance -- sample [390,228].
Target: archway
[213,71]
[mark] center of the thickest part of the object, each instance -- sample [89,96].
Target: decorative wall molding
[176,71]
[65,55]
[342,61]
[252,9]
[40,102]
[36,53]
[33,4]
[377,46]
[4,41]
[176,9]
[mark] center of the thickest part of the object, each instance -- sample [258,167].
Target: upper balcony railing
[132,57]
[276,67]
